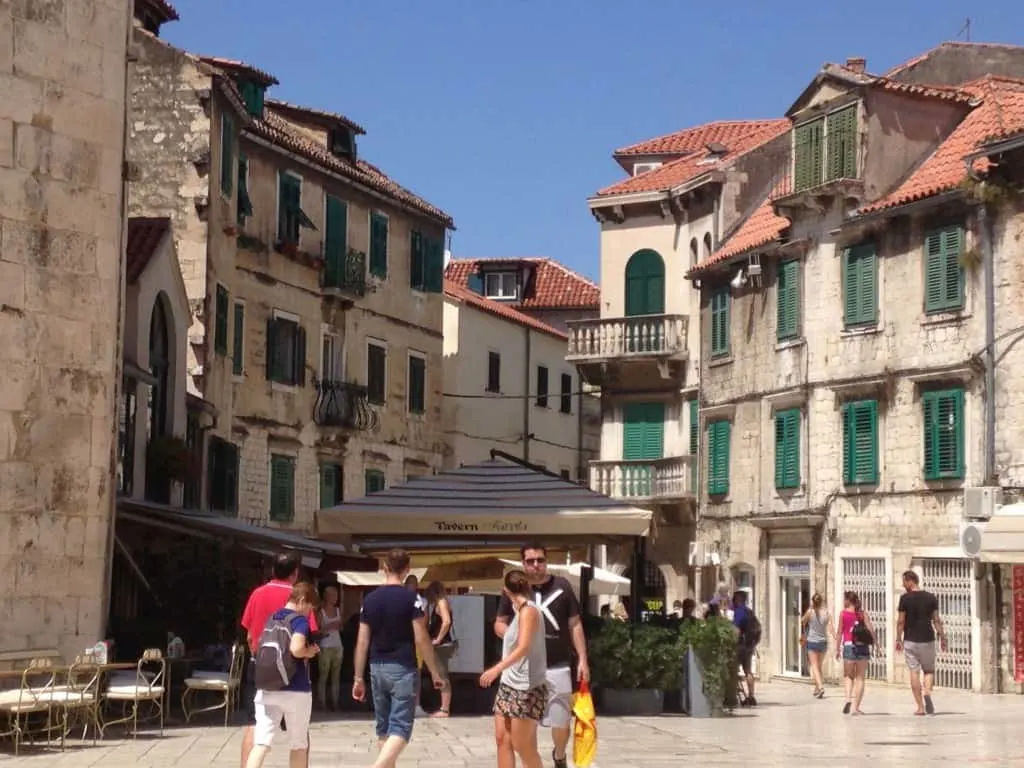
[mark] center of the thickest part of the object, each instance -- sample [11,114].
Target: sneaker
[559,762]
[929,707]
[846,708]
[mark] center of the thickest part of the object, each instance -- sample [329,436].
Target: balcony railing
[643,479]
[343,404]
[347,274]
[637,336]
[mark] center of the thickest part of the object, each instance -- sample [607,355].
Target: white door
[952,582]
[794,596]
[867,577]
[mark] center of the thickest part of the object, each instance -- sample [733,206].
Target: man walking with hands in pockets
[563,630]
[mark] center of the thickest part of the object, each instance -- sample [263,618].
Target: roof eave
[625,198]
[905,208]
[996,147]
[709,177]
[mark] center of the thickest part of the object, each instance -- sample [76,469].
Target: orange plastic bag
[584,743]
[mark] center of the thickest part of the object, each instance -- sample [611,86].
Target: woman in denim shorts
[817,623]
[855,653]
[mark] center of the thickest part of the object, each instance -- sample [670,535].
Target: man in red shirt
[262,603]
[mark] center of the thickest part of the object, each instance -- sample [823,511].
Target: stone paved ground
[789,728]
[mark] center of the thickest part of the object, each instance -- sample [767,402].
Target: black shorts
[745,658]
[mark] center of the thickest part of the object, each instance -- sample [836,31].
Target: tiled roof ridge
[556,286]
[912,62]
[755,124]
[546,259]
[456,291]
[315,112]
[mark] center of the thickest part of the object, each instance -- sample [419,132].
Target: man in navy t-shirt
[392,626]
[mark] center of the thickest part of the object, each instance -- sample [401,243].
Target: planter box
[626,702]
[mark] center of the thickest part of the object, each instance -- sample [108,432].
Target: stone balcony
[644,480]
[618,352]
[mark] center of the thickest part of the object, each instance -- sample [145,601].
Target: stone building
[63,70]
[314,282]
[843,396]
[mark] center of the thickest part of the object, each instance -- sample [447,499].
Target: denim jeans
[394,699]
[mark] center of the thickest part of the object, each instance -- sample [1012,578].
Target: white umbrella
[603,582]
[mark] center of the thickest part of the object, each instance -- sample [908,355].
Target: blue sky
[505,112]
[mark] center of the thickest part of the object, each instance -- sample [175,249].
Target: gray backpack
[274,664]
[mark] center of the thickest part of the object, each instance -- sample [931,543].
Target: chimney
[857,63]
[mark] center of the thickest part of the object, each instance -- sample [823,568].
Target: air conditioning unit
[698,555]
[980,503]
[971,536]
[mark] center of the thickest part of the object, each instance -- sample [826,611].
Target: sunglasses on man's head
[535,560]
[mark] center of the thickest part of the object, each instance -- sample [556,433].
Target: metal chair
[36,695]
[80,698]
[225,686]
[147,685]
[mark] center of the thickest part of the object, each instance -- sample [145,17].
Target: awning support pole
[636,587]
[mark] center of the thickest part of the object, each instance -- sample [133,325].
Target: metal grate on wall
[952,582]
[868,577]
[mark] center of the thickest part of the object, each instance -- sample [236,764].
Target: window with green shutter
[227,154]
[694,439]
[542,386]
[253,96]
[841,137]
[720,299]
[787,295]
[335,242]
[222,476]
[944,434]
[220,327]
[290,216]
[417,262]
[244,201]
[718,457]
[787,449]
[417,399]
[376,373]
[378,244]
[643,431]
[433,255]
[860,442]
[330,485]
[282,488]
[238,341]
[943,273]
[808,154]
[375,481]
[286,352]
[860,286]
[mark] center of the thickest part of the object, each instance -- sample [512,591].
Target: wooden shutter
[944,275]
[220,328]
[860,442]
[284,216]
[335,242]
[694,440]
[227,153]
[272,354]
[718,458]
[230,454]
[720,322]
[244,201]
[376,373]
[493,372]
[375,481]
[434,269]
[565,406]
[282,487]
[378,245]
[417,277]
[788,300]
[417,384]
[787,449]
[330,485]
[842,144]
[808,159]
[542,386]
[943,434]
[299,370]
[860,286]
[238,341]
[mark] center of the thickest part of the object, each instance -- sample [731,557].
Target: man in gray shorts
[918,624]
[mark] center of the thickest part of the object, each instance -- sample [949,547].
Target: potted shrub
[634,664]
[713,644]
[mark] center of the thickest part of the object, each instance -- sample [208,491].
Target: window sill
[860,489]
[278,386]
[854,333]
[790,343]
[238,378]
[944,318]
[371,401]
[716,362]
[543,406]
[417,415]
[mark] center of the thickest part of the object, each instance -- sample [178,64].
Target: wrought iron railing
[343,404]
[640,336]
[347,274]
[638,479]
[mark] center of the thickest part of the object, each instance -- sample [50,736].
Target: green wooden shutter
[718,457]
[694,440]
[299,369]
[376,373]
[842,144]
[335,242]
[416,261]
[944,434]
[227,153]
[944,275]
[417,384]
[330,485]
[375,481]
[220,331]
[808,140]
[230,455]
[378,245]
[434,280]
[860,286]
[244,201]
[643,431]
[271,369]
[282,488]
[787,448]
[720,322]
[645,284]
[238,341]
[788,300]
[860,442]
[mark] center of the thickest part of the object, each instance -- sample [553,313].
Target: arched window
[645,284]
[707,244]
[159,365]
[694,254]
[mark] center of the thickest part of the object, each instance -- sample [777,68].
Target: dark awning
[494,500]
[315,552]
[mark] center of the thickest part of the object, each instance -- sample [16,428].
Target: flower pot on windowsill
[170,457]
[286,247]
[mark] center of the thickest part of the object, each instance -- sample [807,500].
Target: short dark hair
[397,561]
[739,597]
[285,564]
[912,577]
[532,545]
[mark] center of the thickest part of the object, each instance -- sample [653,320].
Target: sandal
[441,713]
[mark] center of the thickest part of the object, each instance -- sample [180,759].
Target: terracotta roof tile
[697,138]
[763,227]
[240,68]
[554,286]
[315,114]
[497,308]
[276,130]
[1001,113]
[144,237]
[165,10]
[698,161]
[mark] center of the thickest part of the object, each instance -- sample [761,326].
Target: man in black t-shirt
[918,624]
[563,631]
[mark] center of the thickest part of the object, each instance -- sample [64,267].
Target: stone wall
[62,111]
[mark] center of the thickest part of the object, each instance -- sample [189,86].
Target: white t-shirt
[332,638]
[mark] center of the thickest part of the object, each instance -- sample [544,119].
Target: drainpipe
[985,242]
[526,398]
